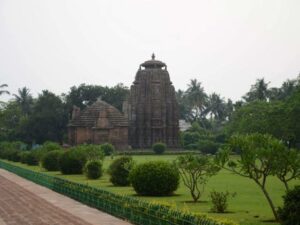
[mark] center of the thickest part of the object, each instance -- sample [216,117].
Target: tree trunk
[270,202]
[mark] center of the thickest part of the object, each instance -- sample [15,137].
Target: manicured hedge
[154,178]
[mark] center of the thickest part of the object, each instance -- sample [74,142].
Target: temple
[98,124]
[150,114]
[152,108]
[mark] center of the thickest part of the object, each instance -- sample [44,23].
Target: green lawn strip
[248,207]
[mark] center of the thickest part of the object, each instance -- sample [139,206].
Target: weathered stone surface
[152,107]
[98,124]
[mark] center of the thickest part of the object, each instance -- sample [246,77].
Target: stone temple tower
[152,108]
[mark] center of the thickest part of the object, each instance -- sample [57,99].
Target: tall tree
[197,99]
[24,99]
[259,91]
[48,119]
[3,91]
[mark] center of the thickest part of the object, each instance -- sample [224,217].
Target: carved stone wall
[152,107]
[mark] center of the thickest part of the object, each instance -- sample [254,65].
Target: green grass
[249,207]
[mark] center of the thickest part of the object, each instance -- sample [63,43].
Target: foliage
[190,140]
[24,100]
[72,161]
[85,95]
[159,148]
[195,171]
[32,158]
[220,201]
[207,146]
[50,146]
[92,152]
[287,165]
[48,119]
[108,149]
[93,169]
[289,214]
[131,208]
[257,161]
[50,160]
[119,171]
[23,156]
[154,178]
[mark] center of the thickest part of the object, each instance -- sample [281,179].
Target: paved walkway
[25,203]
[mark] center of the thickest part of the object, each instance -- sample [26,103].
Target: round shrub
[157,178]
[290,213]
[159,148]
[119,171]
[92,152]
[31,159]
[50,160]
[13,155]
[50,146]
[23,156]
[108,149]
[93,169]
[72,161]
[208,147]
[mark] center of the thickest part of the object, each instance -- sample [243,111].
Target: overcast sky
[225,44]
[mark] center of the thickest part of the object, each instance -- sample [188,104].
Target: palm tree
[3,91]
[216,107]
[197,98]
[259,91]
[24,99]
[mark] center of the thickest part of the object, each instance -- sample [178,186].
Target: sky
[224,44]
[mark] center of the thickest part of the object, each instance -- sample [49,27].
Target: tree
[49,118]
[287,165]
[24,99]
[259,91]
[197,98]
[195,171]
[216,107]
[85,95]
[257,159]
[3,91]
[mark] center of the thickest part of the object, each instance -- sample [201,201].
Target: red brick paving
[21,207]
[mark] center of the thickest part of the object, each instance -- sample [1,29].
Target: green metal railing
[128,208]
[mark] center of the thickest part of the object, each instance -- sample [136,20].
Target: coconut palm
[3,91]
[259,91]
[24,99]
[197,98]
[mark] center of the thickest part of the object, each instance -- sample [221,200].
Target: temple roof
[90,115]
[153,63]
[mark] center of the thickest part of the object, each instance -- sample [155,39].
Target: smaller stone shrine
[97,124]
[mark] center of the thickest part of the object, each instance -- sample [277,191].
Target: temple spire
[153,56]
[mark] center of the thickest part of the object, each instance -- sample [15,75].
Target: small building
[97,124]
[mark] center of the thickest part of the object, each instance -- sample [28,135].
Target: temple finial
[153,56]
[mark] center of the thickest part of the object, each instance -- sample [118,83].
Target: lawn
[249,207]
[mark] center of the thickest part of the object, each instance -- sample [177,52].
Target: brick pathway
[25,203]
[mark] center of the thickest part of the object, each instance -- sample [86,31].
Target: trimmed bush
[50,160]
[50,146]
[290,213]
[72,161]
[108,149]
[159,148]
[154,178]
[31,158]
[93,169]
[208,147]
[119,171]
[23,156]
[92,152]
